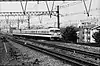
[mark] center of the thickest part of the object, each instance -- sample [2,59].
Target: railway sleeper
[74,53]
[82,56]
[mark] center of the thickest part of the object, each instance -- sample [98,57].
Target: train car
[51,33]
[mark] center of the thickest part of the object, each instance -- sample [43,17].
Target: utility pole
[58,20]
[28,21]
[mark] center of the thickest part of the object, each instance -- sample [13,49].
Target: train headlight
[55,34]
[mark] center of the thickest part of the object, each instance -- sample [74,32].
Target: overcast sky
[72,12]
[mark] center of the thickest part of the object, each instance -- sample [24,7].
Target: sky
[72,11]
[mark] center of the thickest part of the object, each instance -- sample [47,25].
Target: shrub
[69,34]
[96,36]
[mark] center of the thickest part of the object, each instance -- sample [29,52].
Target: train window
[83,37]
[25,31]
[57,30]
[47,31]
[44,31]
[35,31]
[32,31]
[41,31]
[51,30]
[54,30]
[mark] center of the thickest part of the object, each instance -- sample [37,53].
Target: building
[85,34]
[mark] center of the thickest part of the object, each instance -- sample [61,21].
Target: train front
[55,34]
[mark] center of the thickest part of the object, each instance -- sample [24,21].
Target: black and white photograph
[49,32]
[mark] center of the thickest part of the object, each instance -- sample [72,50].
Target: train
[50,33]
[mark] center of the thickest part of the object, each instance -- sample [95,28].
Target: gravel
[31,56]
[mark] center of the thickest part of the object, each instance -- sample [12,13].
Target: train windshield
[54,30]
[57,30]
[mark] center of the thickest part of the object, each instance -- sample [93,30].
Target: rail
[50,52]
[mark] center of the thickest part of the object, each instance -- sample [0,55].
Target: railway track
[85,56]
[90,49]
[63,46]
[61,52]
[61,41]
[86,44]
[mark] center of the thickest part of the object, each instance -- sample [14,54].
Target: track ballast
[46,48]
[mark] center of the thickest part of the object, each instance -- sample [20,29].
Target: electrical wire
[90,6]
[47,6]
[52,6]
[50,11]
[26,5]
[67,5]
[70,4]
[71,14]
[40,18]
[22,5]
[24,10]
[86,8]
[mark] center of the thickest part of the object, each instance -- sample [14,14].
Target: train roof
[54,28]
[45,29]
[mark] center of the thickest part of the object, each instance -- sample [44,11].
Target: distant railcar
[52,33]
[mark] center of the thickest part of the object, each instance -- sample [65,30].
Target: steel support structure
[39,0]
[54,13]
[28,14]
[31,13]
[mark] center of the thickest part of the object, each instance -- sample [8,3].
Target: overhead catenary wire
[68,4]
[77,13]
[87,10]
[71,4]
[40,18]
[71,14]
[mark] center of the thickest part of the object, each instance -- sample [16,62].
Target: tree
[96,36]
[69,34]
